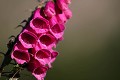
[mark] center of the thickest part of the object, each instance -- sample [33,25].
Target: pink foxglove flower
[40,25]
[68,1]
[43,56]
[54,54]
[33,64]
[62,4]
[47,41]
[58,30]
[61,18]
[38,13]
[50,9]
[40,72]
[20,56]
[18,46]
[68,13]
[41,34]
[37,69]
[28,39]
[53,21]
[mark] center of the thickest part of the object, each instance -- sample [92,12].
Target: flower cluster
[36,41]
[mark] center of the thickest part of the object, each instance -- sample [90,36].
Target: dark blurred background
[91,46]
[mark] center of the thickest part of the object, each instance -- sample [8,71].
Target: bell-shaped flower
[28,28]
[68,1]
[68,13]
[62,4]
[53,21]
[37,13]
[61,18]
[33,64]
[20,56]
[18,46]
[47,40]
[58,30]
[37,69]
[54,54]
[40,25]
[28,39]
[44,56]
[40,72]
[35,49]
[49,9]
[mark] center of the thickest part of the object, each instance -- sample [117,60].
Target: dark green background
[91,46]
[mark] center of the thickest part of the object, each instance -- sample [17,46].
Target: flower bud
[62,4]
[49,9]
[68,1]
[68,13]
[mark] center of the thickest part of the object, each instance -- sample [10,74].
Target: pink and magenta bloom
[21,56]
[63,4]
[49,9]
[41,34]
[40,25]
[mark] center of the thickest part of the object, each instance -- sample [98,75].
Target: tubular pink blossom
[57,9]
[37,69]
[68,13]
[19,46]
[33,64]
[53,21]
[28,39]
[44,56]
[49,9]
[40,72]
[62,4]
[43,53]
[61,18]
[34,49]
[68,1]
[40,25]
[20,56]
[58,30]
[54,54]
[37,13]
[47,41]
[28,28]
[42,32]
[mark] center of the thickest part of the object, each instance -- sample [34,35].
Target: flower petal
[49,9]
[28,39]
[33,64]
[20,56]
[37,13]
[40,25]
[43,56]
[47,40]
[54,54]
[58,30]
[62,4]
[61,18]
[68,13]
[68,1]
[40,73]
[43,53]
